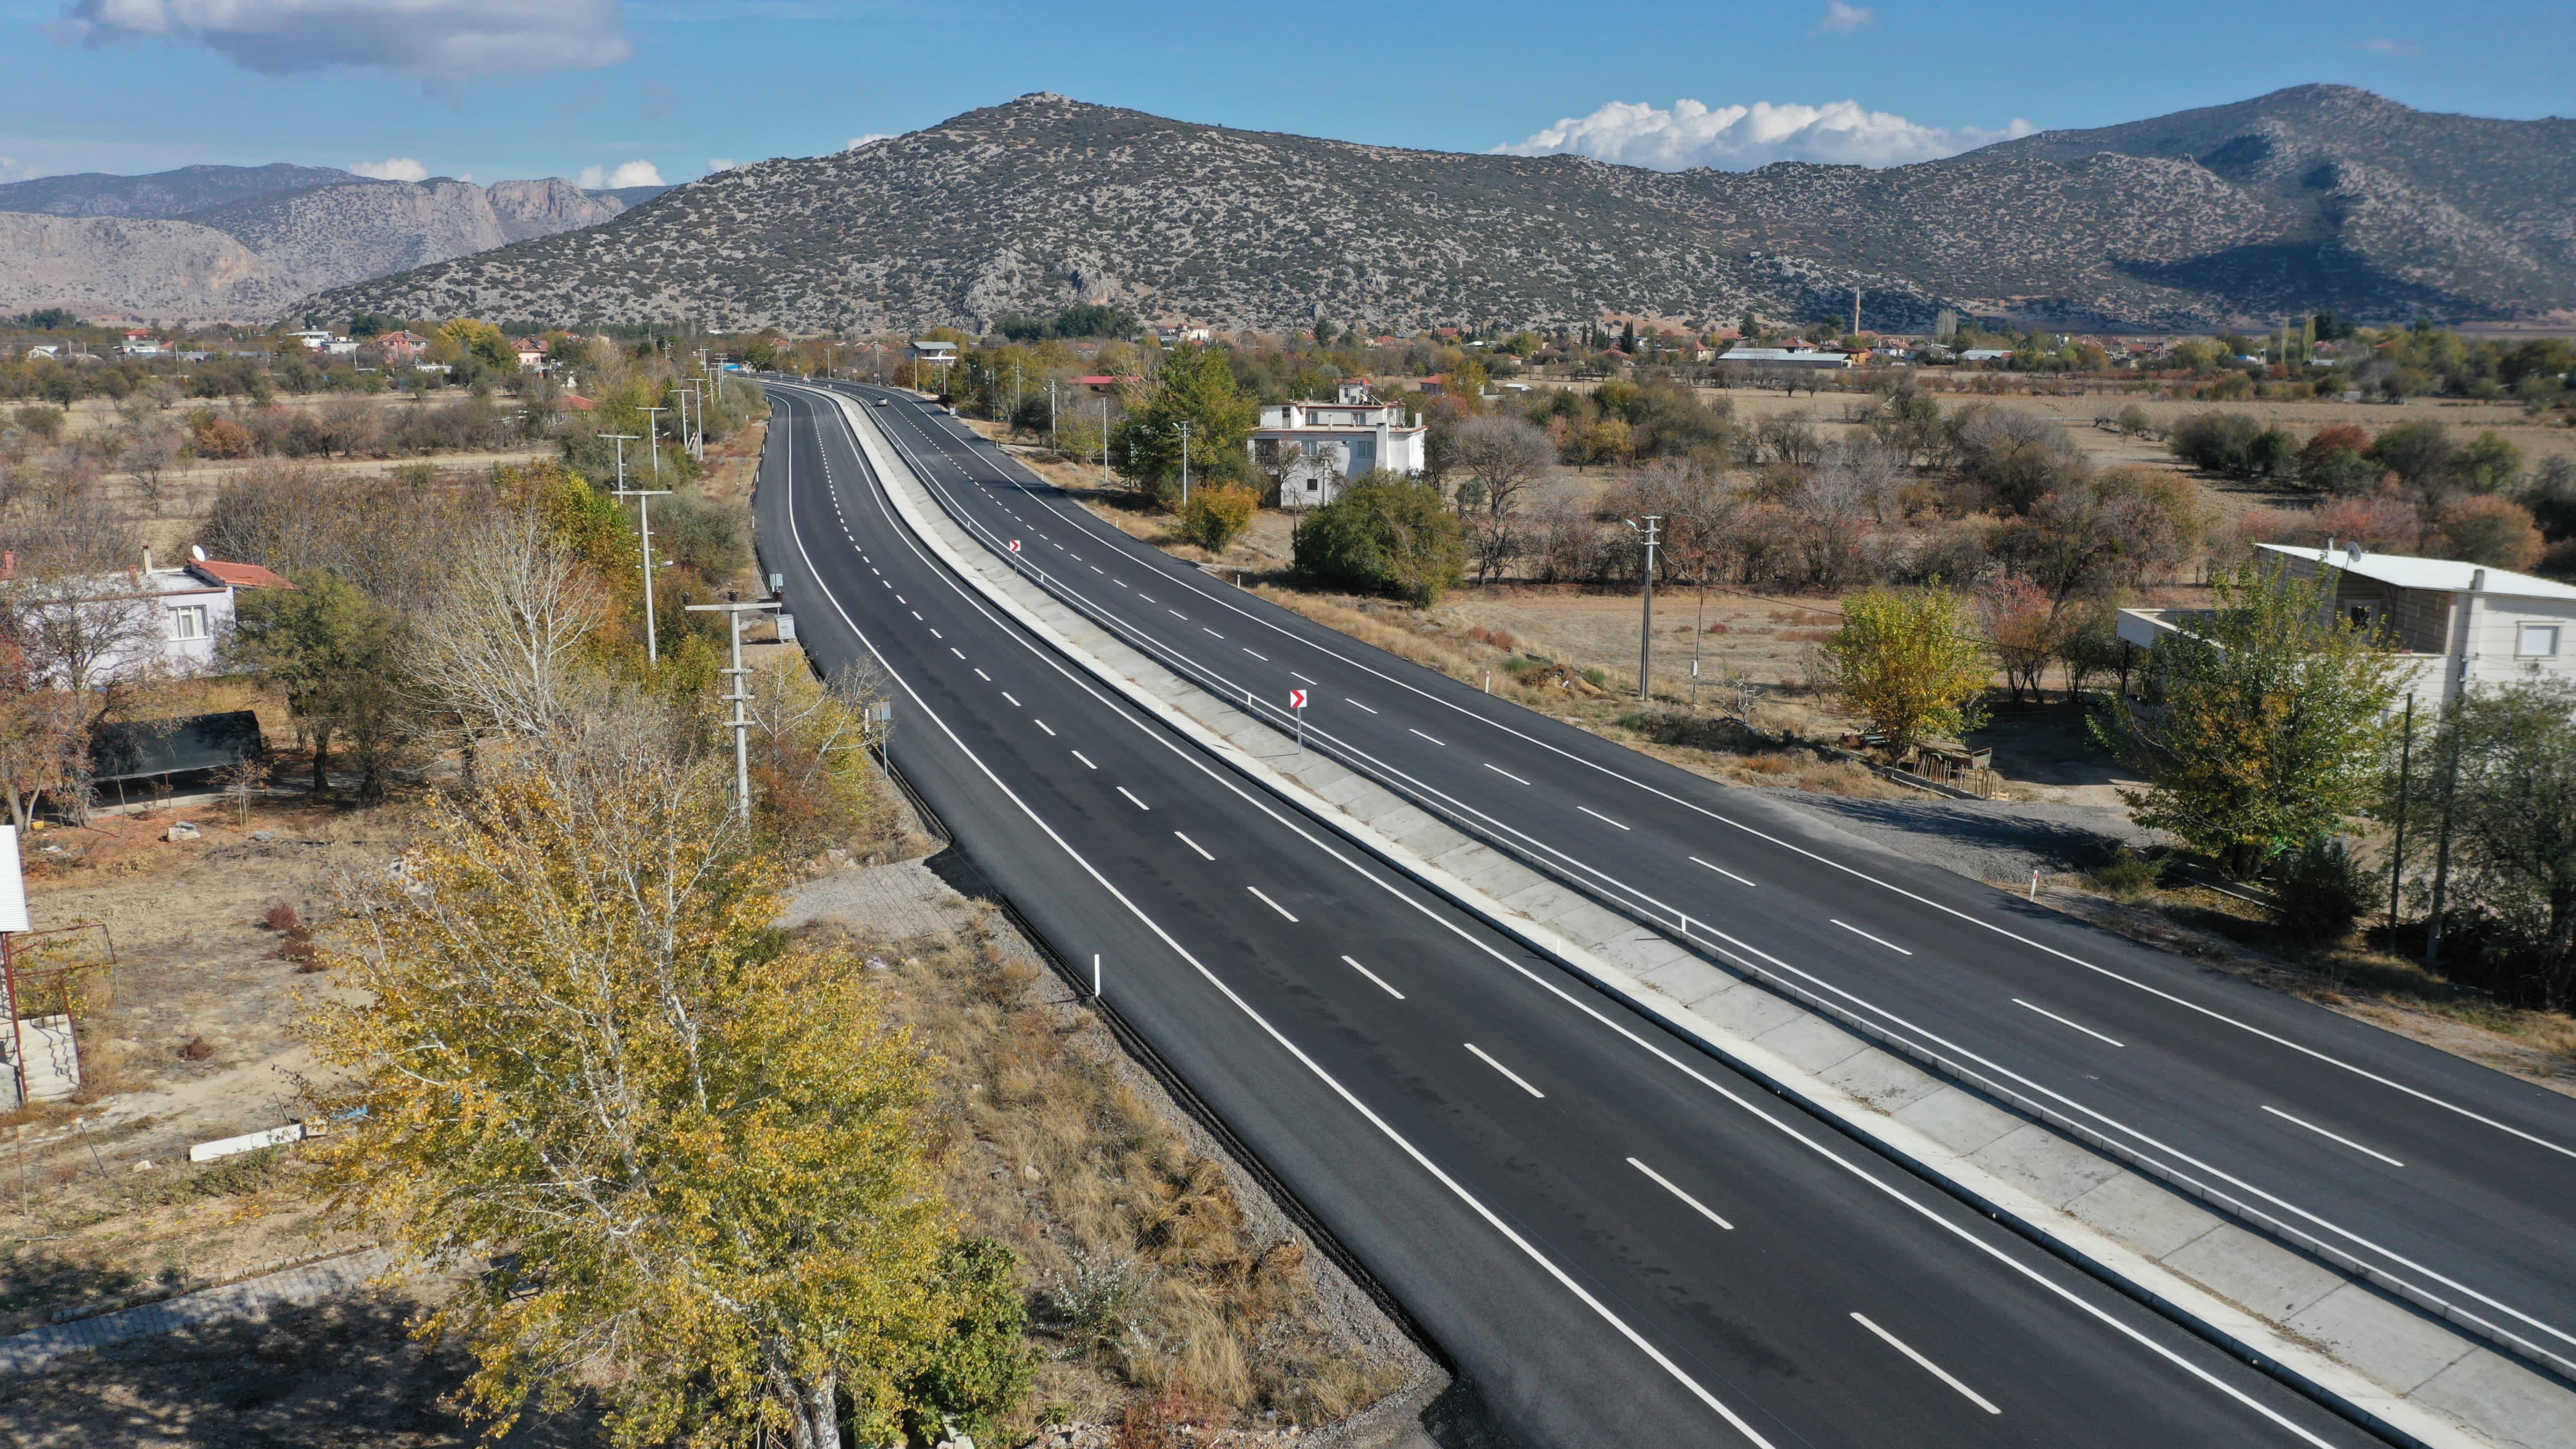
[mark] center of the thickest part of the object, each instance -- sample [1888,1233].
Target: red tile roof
[239,575]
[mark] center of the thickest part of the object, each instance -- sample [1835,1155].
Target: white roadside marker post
[1297,702]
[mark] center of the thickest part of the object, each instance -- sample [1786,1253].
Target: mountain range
[2316,197]
[243,243]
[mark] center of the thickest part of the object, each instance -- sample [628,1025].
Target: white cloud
[1741,137]
[629,173]
[870,139]
[1841,19]
[440,40]
[392,168]
[720,163]
[2383,45]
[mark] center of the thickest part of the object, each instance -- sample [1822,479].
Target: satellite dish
[197,551]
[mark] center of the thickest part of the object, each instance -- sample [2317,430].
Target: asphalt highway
[2453,1178]
[1613,1237]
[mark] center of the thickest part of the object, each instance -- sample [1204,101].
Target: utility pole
[733,609]
[2397,846]
[1699,633]
[1646,630]
[644,522]
[653,436]
[1855,311]
[2442,843]
[1185,462]
[1050,412]
[1104,432]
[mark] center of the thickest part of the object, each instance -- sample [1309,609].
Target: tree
[484,343]
[1196,387]
[1386,532]
[1499,456]
[2265,721]
[2021,622]
[2422,456]
[2513,836]
[507,646]
[341,658]
[2017,458]
[1216,516]
[1905,662]
[2481,528]
[41,735]
[570,1029]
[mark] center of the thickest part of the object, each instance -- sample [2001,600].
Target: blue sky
[505,88]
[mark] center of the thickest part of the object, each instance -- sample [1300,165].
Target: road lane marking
[1177,614]
[1015,703]
[2062,1021]
[1373,976]
[1597,815]
[1517,1079]
[1293,674]
[1666,1184]
[1506,774]
[1928,1366]
[1194,845]
[1132,800]
[916,613]
[980,674]
[953,650]
[1264,658]
[900,599]
[1410,730]
[1086,760]
[1346,699]
[2330,1137]
[1274,905]
[1721,870]
[1042,724]
[1866,936]
[1205,629]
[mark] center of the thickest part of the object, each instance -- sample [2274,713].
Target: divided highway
[2454,1180]
[1615,1238]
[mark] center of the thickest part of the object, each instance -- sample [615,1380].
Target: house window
[2538,641]
[188,621]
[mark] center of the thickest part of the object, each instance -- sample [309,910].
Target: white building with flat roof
[2455,625]
[1314,449]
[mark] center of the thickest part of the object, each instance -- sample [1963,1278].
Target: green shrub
[2322,892]
[2129,875]
[980,1366]
[1385,533]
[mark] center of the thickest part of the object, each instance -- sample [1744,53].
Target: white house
[149,620]
[2455,625]
[1316,448]
[315,339]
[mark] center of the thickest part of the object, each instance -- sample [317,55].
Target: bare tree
[74,605]
[1500,456]
[504,649]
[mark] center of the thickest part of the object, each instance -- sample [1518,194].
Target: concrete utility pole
[1646,631]
[740,724]
[653,436]
[1185,462]
[1855,311]
[644,523]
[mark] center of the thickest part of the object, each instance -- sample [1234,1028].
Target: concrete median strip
[2378,1360]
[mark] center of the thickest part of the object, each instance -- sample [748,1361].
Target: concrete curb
[250,1298]
[2260,1300]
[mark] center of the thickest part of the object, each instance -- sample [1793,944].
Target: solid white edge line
[1927,1365]
[1373,976]
[1274,905]
[1516,1077]
[1194,845]
[1934,1219]
[1666,1184]
[1866,936]
[2062,1021]
[1597,815]
[2331,1137]
[1506,774]
[1722,870]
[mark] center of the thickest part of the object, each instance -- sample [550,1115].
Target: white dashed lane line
[1132,800]
[1274,905]
[1517,1079]
[1194,845]
[1506,774]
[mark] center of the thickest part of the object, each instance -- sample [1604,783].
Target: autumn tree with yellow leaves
[675,1155]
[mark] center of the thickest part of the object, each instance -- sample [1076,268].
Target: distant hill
[248,255]
[2301,199]
[164,193]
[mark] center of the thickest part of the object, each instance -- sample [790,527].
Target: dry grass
[1147,1277]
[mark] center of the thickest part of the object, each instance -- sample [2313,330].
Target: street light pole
[740,724]
[644,523]
[1646,630]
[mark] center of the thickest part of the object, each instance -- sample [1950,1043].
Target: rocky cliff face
[163,269]
[2318,197]
[247,258]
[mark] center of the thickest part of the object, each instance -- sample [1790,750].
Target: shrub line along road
[1613,1237]
[2450,1180]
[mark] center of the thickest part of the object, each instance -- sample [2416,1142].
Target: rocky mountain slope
[1046,200]
[163,193]
[100,247]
